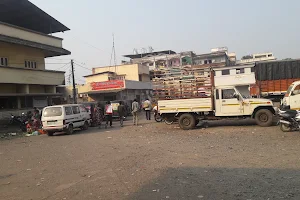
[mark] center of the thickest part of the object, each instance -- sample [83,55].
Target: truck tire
[187,121]
[264,117]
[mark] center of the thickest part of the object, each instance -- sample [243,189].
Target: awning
[104,91]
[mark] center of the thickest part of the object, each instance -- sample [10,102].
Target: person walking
[135,109]
[147,108]
[108,114]
[121,111]
[97,116]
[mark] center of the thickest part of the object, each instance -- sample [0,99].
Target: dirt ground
[154,161]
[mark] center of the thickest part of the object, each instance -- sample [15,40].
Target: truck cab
[230,102]
[291,99]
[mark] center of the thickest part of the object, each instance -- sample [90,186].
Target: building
[123,82]
[256,58]
[25,42]
[213,59]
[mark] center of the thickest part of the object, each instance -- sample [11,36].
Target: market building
[25,42]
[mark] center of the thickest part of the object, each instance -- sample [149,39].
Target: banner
[113,84]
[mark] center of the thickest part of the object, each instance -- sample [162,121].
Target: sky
[245,27]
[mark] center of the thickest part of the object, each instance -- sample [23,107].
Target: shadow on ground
[222,183]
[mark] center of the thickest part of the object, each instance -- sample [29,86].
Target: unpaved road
[152,162]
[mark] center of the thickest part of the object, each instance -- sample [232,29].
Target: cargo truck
[189,95]
[273,78]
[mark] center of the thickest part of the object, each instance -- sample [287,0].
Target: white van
[65,118]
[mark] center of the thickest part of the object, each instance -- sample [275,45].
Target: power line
[63,66]
[87,43]
[82,66]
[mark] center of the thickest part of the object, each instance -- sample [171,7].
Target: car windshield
[290,89]
[52,112]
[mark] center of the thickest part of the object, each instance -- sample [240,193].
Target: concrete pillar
[19,102]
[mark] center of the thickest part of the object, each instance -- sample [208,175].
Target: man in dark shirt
[121,111]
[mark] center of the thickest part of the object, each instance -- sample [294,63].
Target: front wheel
[157,118]
[285,127]
[264,117]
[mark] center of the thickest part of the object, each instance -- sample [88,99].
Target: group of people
[34,120]
[98,115]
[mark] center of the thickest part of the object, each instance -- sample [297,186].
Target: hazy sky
[245,27]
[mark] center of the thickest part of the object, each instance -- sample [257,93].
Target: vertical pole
[74,86]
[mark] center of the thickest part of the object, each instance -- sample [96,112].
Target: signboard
[113,84]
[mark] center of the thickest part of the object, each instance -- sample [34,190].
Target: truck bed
[185,105]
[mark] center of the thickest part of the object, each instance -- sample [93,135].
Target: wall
[137,85]
[30,76]
[97,78]
[131,71]
[17,55]
[8,88]
[21,33]
[33,89]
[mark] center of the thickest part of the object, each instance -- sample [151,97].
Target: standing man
[135,109]
[121,111]
[147,107]
[108,114]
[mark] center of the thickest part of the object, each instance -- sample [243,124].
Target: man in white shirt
[147,107]
[108,114]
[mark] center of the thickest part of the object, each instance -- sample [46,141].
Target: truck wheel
[187,121]
[264,117]
[70,130]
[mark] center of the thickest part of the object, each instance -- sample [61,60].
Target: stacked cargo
[182,82]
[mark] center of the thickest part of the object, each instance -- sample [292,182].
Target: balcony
[15,75]
[21,36]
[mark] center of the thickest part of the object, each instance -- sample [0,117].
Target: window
[209,61]
[83,109]
[205,61]
[225,72]
[270,55]
[240,71]
[3,61]
[217,94]
[252,69]
[228,94]
[120,77]
[68,110]
[52,112]
[296,90]
[75,110]
[30,64]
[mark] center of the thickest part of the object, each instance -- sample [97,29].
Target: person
[97,116]
[121,111]
[36,120]
[147,108]
[135,109]
[108,114]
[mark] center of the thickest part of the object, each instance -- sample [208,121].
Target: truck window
[225,72]
[228,94]
[68,110]
[75,109]
[52,112]
[83,109]
[296,90]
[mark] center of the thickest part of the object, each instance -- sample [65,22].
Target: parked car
[65,118]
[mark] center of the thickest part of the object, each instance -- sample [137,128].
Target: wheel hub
[186,122]
[263,118]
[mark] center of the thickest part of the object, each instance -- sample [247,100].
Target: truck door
[295,98]
[229,103]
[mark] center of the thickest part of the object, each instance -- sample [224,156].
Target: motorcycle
[157,116]
[289,120]
[19,120]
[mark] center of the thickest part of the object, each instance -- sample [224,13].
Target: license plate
[51,123]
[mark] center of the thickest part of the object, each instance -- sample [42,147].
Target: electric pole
[74,86]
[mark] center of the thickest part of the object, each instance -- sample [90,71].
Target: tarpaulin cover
[277,70]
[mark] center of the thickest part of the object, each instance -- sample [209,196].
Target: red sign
[113,84]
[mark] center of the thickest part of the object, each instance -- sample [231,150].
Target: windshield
[290,89]
[52,112]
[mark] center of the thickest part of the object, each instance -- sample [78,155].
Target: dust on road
[154,161]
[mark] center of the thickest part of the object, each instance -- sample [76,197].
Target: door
[78,119]
[229,103]
[295,98]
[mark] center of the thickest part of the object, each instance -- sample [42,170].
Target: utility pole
[74,86]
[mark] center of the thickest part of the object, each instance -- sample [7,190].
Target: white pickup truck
[211,102]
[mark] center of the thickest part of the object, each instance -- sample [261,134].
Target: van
[65,118]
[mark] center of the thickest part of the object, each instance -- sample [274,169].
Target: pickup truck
[191,96]
[291,98]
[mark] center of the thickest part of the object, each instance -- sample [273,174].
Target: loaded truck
[189,96]
[273,78]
